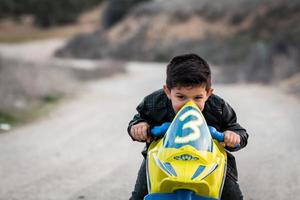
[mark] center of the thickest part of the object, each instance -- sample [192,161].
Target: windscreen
[189,128]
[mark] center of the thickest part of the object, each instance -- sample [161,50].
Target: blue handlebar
[159,131]
[219,136]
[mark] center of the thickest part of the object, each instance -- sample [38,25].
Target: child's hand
[140,132]
[231,139]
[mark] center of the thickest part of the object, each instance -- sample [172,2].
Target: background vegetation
[46,13]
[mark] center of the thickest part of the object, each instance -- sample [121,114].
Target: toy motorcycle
[187,163]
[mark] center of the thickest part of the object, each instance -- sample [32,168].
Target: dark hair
[188,70]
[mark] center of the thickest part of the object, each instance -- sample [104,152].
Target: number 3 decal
[194,125]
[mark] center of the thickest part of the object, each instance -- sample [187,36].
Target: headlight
[186,157]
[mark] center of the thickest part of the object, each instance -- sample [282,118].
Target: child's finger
[232,141]
[235,140]
[145,128]
[136,133]
[133,132]
[226,137]
[141,134]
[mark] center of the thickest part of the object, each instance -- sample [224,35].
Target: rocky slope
[252,40]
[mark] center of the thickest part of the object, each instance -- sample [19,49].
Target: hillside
[253,40]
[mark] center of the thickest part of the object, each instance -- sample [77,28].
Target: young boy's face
[181,95]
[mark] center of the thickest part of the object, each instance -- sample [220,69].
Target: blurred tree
[116,10]
[46,12]
[49,13]
[13,7]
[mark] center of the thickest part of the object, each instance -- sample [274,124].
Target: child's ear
[167,91]
[210,91]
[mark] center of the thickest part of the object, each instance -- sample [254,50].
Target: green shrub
[7,118]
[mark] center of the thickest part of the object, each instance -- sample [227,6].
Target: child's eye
[198,98]
[180,97]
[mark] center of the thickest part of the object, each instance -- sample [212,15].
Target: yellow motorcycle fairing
[187,157]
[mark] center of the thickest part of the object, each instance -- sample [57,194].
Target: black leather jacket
[156,109]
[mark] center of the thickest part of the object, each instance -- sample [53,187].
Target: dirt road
[82,151]
[37,51]
[78,146]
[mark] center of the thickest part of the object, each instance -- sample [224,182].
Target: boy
[188,78]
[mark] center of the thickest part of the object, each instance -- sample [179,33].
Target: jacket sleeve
[229,122]
[143,115]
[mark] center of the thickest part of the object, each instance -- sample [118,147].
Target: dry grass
[29,90]
[31,80]
[25,87]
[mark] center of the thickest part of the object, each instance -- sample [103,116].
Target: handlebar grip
[158,131]
[219,136]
